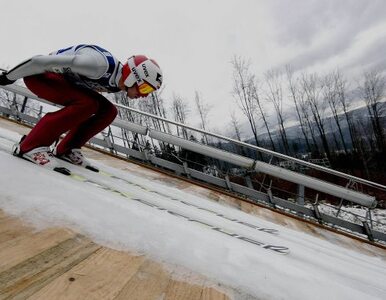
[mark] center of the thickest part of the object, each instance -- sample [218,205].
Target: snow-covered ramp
[126,207]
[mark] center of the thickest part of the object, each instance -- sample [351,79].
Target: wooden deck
[57,263]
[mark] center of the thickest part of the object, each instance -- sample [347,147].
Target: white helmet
[144,72]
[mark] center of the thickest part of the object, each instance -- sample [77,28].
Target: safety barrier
[247,163]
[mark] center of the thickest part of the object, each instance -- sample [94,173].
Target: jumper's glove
[4,79]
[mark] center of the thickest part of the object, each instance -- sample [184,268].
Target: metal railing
[23,91]
[251,165]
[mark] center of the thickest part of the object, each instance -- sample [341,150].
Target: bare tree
[273,79]
[245,92]
[364,142]
[262,115]
[306,112]
[341,90]
[125,114]
[297,97]
[153,104]
[236,129]
[156,106]
[317,105]
[180,112]
[235,125]
[372,90]
[331,95]
[203,111]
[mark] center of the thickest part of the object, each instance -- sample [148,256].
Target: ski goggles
[145,88]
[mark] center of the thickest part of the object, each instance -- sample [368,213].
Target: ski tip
[91,168]
[62,170]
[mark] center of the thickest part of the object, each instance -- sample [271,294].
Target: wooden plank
[5,219]
[101,276]
[153,282]
[31,275]
[182,290]
[2,214]
[11,228]
[15,251]
[210,293]
[150,282]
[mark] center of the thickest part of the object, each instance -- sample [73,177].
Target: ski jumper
[72,77]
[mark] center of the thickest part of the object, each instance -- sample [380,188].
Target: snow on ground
[156,219]
[357,215]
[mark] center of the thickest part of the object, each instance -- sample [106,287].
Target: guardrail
[249,164]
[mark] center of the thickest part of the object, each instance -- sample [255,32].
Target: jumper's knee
[111,111]
[84,108]
[107,111]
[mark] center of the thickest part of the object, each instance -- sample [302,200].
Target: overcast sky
[194,40]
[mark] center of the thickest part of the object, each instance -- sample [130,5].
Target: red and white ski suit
[73,78]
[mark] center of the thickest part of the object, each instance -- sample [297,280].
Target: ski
[16,153]
[89,167]
[92,168]
[62,170]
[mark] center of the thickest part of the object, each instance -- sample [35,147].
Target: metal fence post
[300,195]
[186,169]
[248,181]
[368,231]
[228,182]
[315,205]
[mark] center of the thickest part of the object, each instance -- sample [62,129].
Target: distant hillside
[295,135]
[296,139]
